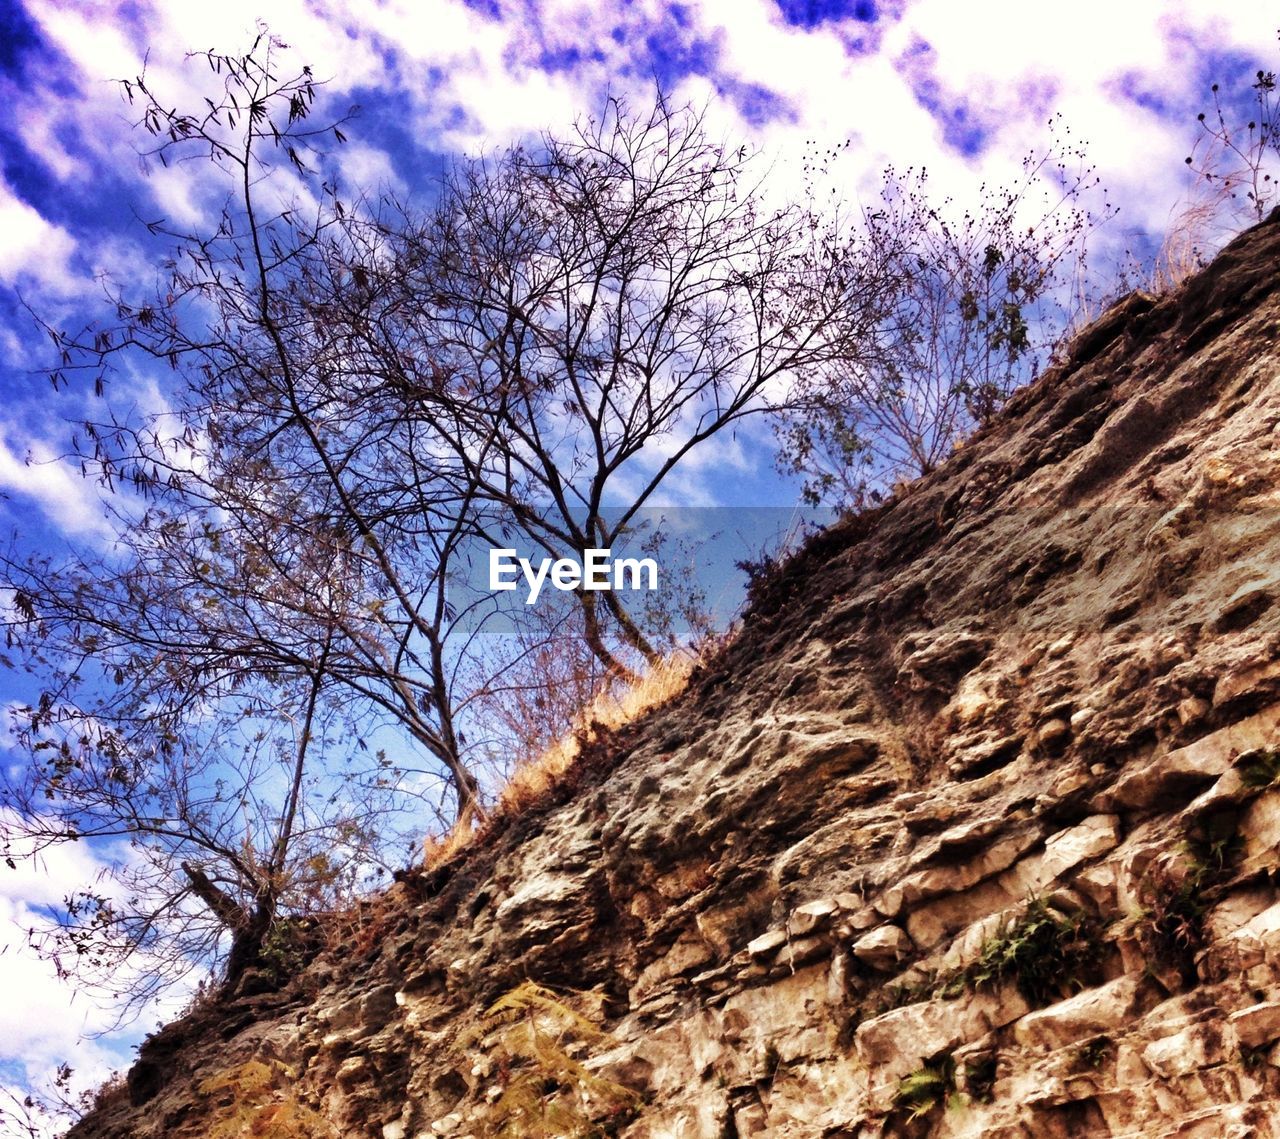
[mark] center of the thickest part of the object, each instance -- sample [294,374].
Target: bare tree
[277,589]
[969,304]
[605,305]
[285,446]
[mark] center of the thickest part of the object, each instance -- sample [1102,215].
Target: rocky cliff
[972,831]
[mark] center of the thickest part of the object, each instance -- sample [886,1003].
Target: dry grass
[114,1092]
[438,849]
[1192,234]
[532,780]
[1211,215]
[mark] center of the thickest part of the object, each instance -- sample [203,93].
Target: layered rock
[971,831]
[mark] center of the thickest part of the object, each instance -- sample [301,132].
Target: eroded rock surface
[1045,675]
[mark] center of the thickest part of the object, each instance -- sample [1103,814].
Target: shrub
[980,1078]
[926,1088]
[256,1098]
[1170,927]
[1259,768]
[289,944]
[1236,158]
[970,304]
[546,1089]
[1091,1053]
[1047,954]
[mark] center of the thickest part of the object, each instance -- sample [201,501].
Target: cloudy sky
[964,89]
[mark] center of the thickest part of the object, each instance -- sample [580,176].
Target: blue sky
[964,89]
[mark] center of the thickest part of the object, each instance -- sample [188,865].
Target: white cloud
[1082,56]
[43,127]
[178,191]
[46,877]
[68,500]
[45,1022]
[33,250]
[367,168]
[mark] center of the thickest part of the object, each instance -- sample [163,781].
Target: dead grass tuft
[438,849]
[1209,218]
[114,1092]
[534,780]
[1189,240]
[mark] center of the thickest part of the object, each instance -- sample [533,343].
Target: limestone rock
[1090,1013]
[883,948]
[1257,1025]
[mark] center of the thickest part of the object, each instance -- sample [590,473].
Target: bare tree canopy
[967,306]
[276,590]
[598,308]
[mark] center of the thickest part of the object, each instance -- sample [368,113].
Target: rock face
[971,832]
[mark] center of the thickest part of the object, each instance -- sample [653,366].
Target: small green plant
[1213,849]
[1170,927]
[1091,1053]
[256,1099]
[1046,953]
[1171,924]
[898,996]
[1259,768]
[772,1060]
[287,947]
[1253,1059]
[980,1078]
[926,1088]
[547,1090]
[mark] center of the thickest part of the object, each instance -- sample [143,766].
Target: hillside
[972,831]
